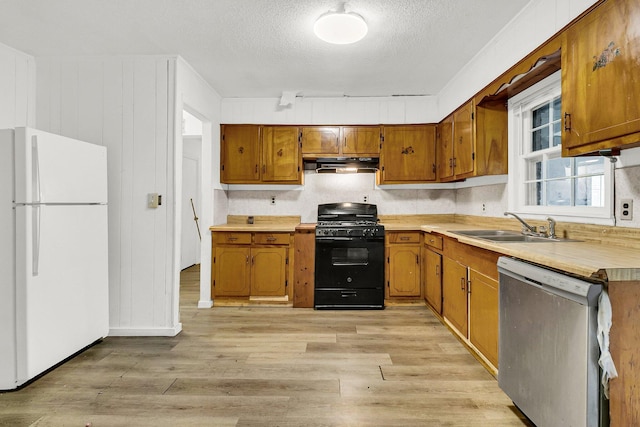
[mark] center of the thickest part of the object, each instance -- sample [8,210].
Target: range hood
[346,165]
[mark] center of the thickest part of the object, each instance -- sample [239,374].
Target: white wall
[17,88]
[195,95]
[127,105]
[535,24]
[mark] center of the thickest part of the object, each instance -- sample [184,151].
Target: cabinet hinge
[222,167]
[387,260]
[214,260]
[286,283]
[223,136]
[388,284]
[214,283]
[286,261]
[473,156]
[472,115]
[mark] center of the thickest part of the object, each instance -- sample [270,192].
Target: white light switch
[154,200]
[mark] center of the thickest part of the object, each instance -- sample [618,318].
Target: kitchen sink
[506,236]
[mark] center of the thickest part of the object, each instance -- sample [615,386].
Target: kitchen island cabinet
[600,84]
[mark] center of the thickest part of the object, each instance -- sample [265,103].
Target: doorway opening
[191,202]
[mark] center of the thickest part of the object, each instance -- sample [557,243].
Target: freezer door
[62,283]
[54,169]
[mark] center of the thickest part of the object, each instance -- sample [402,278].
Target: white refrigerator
[53,251]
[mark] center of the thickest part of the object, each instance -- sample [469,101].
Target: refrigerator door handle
[36,196]
[35,240]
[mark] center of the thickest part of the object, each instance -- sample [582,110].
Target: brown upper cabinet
[408,154]
[472,141]
[255,154]
[601,80]
[340,141]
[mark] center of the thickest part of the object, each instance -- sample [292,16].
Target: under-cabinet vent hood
[344,165]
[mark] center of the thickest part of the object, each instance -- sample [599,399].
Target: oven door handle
[334,239]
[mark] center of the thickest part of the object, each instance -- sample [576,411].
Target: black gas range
[349,257]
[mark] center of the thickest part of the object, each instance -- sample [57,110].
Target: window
[540,180]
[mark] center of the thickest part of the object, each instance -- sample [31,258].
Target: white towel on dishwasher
[604,325]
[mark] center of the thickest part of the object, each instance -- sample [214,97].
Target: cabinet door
[268,271]
[281,154]
[361,141]
[600,84]
[320,141]
[232,271]
[433,279]
[483,315]
[463,143]
[445,149]
[454,292]
[408,154]
[240,154]
[404,271]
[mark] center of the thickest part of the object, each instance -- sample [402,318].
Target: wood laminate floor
[271,366]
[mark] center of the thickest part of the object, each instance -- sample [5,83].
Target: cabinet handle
[567,122]
[462,280]
[247,256]
[253,260]
[454,162]
[437,270]
[264,168]
[404,237]
[417,259]
[432,241]
[256,168]
[271,239]
[232,239]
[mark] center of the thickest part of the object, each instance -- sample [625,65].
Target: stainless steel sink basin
[507,236]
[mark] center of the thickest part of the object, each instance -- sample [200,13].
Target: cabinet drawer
[403,237]
[232,238]
[433,241]
[272,238]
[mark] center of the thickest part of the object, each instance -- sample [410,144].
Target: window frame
[518,107]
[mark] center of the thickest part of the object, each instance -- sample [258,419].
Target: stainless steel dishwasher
[548,353]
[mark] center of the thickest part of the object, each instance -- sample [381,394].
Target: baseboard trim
[205,304]
[145,332]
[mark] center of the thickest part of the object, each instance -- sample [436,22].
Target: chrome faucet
[552,228]
[526,228]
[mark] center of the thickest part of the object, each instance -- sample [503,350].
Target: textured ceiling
[260,48]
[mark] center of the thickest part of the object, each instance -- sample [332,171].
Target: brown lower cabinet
[250,264]
[470,295]
[432,271]
[404,278]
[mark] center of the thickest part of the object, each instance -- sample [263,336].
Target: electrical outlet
[484,207]
[626,209]
[273,200]
[365,199]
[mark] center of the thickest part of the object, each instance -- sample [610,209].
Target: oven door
[349,273]
[349,263]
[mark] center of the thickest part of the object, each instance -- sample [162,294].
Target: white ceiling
[260,48]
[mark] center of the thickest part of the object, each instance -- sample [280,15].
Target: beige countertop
[584,258]
[588,258]
[266,228]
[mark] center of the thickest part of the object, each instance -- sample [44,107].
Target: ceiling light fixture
[340,27]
